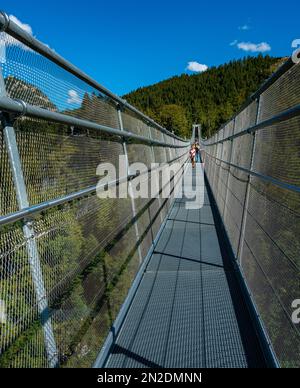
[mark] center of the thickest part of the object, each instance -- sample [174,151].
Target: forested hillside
[209,98]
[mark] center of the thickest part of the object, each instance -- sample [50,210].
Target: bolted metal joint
[29,222]
[8,118]
[120,107]
[132,176]
[4,21]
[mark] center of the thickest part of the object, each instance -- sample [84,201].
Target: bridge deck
[188,310]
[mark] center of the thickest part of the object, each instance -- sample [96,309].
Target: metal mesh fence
[8,201]
[281,95]
[50,157]
[38,81]
[255,181]
[66,266]
[134,124]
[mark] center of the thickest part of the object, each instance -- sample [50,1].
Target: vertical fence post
[247,195]
[168,149]
[119,110]
[165,148]
[29,235]
[217,181]
[230,160]
[154,160]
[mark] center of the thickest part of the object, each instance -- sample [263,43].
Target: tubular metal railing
[67,258]
[253,167]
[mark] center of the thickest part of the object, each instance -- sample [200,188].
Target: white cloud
[254,47]
[245,27]
[196,67]
[25,27]
[295,43]
[233,43]
[73,97]
[7,40]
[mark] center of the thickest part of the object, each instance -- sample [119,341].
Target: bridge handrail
[21,108]
[283,116]
[41,207]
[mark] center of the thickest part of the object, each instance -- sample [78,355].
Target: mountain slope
[209,98]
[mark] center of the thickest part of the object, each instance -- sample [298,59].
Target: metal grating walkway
[188,310]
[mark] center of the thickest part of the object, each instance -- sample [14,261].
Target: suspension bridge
[142,282]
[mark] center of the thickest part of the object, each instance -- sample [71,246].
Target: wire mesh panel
[8,201]
[38,81]
[172,152]
[217,172]
[50,157]
[223,183]
[134,124]
[113,267]
[237,186]
[156,134]
[137,153]
[82,249]
[209,154]
[271,257]
[18,301]
[140,153]
[220,183]
[88,252]
[247,118]
[260,175]
[144,220]
[207,161]
[160,154]
[221,134]
[272,230]
[228,131]
[281,95]
[277,151]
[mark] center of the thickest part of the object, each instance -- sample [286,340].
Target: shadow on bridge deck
[189,310]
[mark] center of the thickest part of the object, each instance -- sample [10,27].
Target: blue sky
[128,44]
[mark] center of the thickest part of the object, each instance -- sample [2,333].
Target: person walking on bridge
[193,155]
[197,147]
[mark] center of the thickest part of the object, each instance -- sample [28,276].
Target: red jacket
[192,153]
